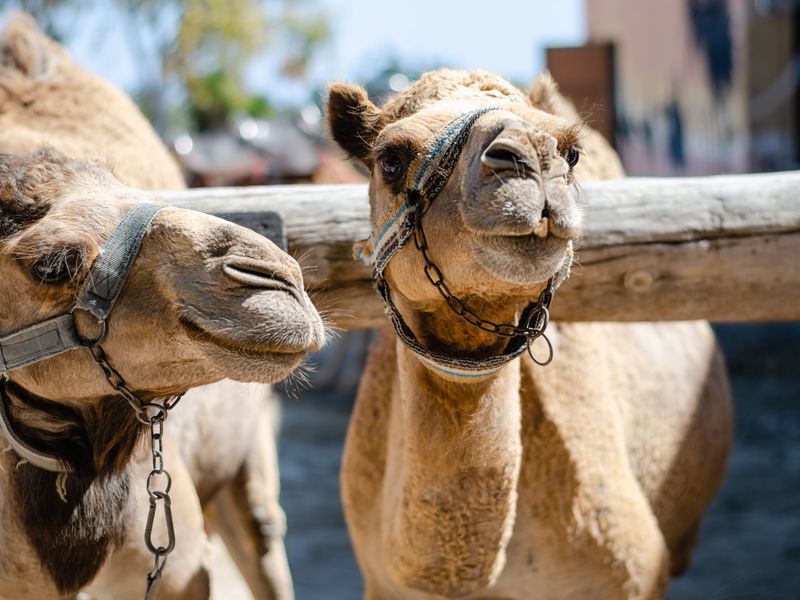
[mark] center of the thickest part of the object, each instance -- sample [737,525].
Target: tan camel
[224,433]
[469,473]
[205,299]
[46,98]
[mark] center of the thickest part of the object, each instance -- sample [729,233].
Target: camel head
[503,222]
[203,300]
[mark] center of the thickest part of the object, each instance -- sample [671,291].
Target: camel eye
[392,167]
[572,156]
[57,267]
[48,271]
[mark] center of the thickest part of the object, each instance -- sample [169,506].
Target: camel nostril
[503,156]
[255,273]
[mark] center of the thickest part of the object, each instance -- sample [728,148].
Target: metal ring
[159,415]
[546,362]
[545,314]
[86,343]
[151,477]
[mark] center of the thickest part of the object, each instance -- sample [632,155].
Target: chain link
[153,415]
[539,313]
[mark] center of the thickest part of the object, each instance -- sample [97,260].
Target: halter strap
[37,342]
[100,290]
[42,460]
[57,335]
[427,175]
[110,270]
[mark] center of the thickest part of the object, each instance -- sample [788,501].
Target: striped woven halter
[402,220]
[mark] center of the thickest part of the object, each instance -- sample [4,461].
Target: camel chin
[269,367]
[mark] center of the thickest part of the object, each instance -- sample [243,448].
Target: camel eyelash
[569,138]
[393,160]
[58,266]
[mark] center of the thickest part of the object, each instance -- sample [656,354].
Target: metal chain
[153,415]
[158,496]
[539,313]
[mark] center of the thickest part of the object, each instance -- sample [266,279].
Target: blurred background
[680,87]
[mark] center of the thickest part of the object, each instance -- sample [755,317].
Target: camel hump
[26,50]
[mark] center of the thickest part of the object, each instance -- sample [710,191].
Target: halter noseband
[402,220]
[58,335]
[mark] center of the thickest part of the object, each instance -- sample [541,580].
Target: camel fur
[220,443]
[583,479]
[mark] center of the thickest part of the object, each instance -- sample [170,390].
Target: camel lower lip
[245,349]
[522,243]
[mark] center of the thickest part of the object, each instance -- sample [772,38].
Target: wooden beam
[724,248]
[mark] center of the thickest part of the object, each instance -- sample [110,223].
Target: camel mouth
[528,245]
[522,259]
[253,322]
[244,360]
[243,348]
[521,207]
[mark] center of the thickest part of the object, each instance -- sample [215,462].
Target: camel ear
[354,121]
[544,93]
[26,49]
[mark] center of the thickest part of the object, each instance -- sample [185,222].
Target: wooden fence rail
[724,248]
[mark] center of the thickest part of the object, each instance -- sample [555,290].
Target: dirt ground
[750,543]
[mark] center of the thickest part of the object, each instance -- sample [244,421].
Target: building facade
[699,86]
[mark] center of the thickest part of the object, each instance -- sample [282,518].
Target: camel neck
[91,437]
[455,451]
[73,528]
[74,522]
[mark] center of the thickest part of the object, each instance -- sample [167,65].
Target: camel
[204,300]
[222,458]
[469,470]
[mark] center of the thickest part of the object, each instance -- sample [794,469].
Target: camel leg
[249,519]
[683,550]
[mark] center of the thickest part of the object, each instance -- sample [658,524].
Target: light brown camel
[586,478]
[205,299]
[220,442]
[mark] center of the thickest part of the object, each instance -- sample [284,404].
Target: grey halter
[57,335]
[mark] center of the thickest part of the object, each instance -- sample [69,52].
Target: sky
[504,37]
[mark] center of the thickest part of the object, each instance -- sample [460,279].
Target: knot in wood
[639,280]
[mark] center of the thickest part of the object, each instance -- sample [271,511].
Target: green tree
[214,42]
[195,52]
